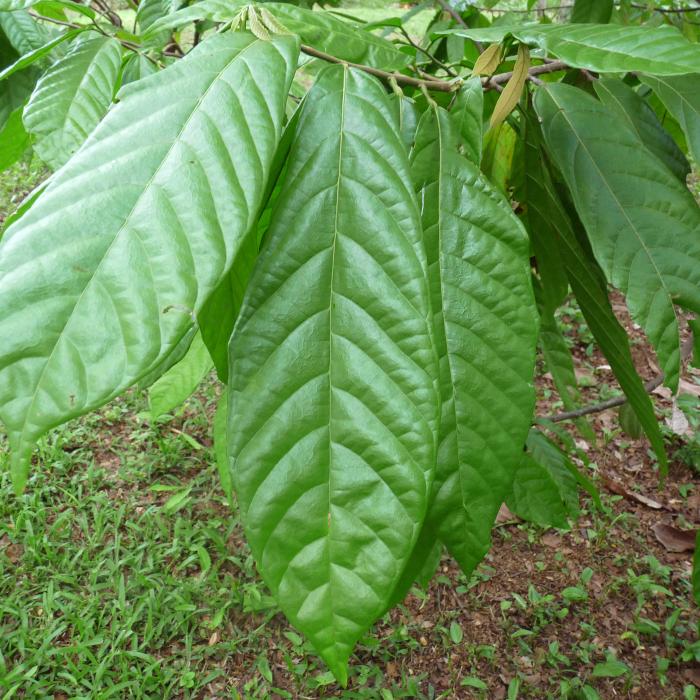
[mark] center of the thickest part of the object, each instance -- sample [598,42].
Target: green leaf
[485,330]
[181,380]
[407,116]
[612,668]
[628,201]
[221,446]
[635,112]
[333,411]
[467,112]
[592,11]
[71,98]
[629,422]
[589,287]
[681,96]
[337,37]
[137,66]
[14,140]
[456,634]
[604,48]
[130,241]
[509,98]
[545,491]
[498,156]
[37,54]
[23,31]
[213,10]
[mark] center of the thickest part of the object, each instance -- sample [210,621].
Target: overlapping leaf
[643,224]
[333,408]
[635,111]
[485,330]
[605,48]
[71,98]
[681,95]
[100,278]
[587,283]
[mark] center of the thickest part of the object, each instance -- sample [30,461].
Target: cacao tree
[367,233]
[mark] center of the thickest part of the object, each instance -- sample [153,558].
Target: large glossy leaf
[71,98]
[587,283]
[333,408]
[485,331]
[643,224]
[681,95]
[135,232]
[23,31]
[468,115]
[338,37]
[180,381]
[38,53]
[605,48]
[636,113]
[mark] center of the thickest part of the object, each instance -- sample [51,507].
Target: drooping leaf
[337,37]
[628,201]
[592,11]
[468,115]
[14,140]
[681,96]
[500,145]
[604,48]
[545,491]
[636,113]
[333,410]
[588,285]
[485,333]
[131,241]
[71,98]
[508,99]
[488,61]
[181,380]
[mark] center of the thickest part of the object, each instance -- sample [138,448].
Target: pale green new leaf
[545,490]
[485,332]
[636,113]
[133,234]
[604,48]
[181,380]
[338,37]
[71,98]
[587,282]
[643,224]
[681,96]
[333,406]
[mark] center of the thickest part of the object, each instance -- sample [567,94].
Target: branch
[653,383]
[400,78]
[550,67]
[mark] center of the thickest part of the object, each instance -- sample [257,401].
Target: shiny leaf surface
[333,409]
[131,242]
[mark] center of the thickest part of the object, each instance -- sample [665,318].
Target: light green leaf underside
[468,116]
[338,37]
[179,382]
[333,409]
[605,48]
[545,490]
[23,31]
[486,332]
[130,241]
[643,224]
[587,283]
[681,96]
[71,98]
[635,112]
[37,54]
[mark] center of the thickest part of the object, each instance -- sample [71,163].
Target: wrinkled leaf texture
[101,277]
[71,98]
[333,406]
[643,224]
[485,331]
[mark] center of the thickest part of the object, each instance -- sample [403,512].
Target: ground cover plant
[366,233]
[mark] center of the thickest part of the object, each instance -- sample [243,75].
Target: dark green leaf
[14,140]
[592,11]
[468,115]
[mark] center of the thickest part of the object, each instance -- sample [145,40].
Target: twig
[551,67]
[459,19]
[653,383]
[435,85]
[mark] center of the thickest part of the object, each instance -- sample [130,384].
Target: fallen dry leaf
[616,487]
[673,539]
[505,515]
[678,422]
[549,539]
